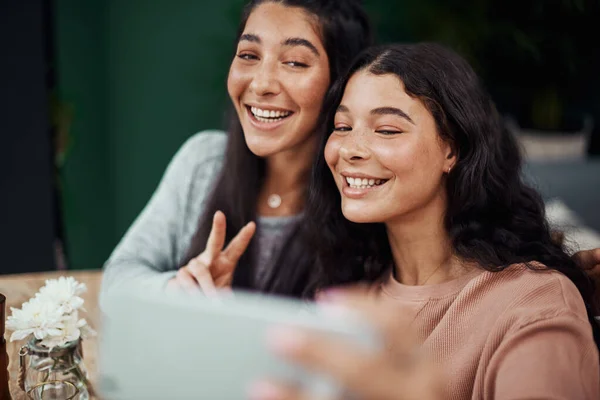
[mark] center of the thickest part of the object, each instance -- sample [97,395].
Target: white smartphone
[192,347]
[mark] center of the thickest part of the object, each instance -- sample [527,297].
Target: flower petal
[20,335]
[54,332]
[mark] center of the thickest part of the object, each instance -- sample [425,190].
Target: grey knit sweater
[156,243]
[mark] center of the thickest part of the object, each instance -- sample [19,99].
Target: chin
[359,215]
[261,151]
[262,147]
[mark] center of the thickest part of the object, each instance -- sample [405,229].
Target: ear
[450,155]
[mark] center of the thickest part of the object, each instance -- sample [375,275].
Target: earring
[448,170]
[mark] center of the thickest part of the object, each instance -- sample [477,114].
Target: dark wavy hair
[345,32]
[493,218]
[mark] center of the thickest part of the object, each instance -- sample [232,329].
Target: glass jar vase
[52,374]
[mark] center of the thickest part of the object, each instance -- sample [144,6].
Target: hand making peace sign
[214,267]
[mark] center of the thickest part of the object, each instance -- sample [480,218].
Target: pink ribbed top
[515,334]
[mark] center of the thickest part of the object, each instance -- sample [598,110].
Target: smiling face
[385,154]
[278,78]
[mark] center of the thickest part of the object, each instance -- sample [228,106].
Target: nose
[265,81]
[354,149]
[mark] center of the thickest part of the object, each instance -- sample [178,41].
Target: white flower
[72,330]
[69,332]
[86,330]
[35,317]
[64,292]
[52,316]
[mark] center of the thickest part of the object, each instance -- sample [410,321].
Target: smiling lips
[364,183]
[358,186]
[267,115]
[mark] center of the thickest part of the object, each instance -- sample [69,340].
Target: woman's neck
[287,175]
[422,249]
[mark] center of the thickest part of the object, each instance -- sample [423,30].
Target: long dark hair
[493,218]
[345,32]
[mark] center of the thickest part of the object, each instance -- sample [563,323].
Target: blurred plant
[61,118]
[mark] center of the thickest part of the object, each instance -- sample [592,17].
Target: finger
[269,390]
[226,292]
[337,292]
[587,259]
[239,243]
[393,327]
[384,316]
[345,362]
[186,281]
[172,284]
[223,281]
[202,275]
[216,238]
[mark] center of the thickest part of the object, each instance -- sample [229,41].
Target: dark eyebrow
[296,41]
[250,37]
[391,111]
[380,111]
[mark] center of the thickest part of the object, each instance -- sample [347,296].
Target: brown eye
[388,132]
[342,128]
[296,64]
[247,56]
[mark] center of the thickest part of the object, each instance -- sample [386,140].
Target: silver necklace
[274,201]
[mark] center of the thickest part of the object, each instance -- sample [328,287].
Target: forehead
[273,22]
[365,89]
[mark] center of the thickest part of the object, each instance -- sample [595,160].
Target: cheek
[332,151]
[309,92]
[418,173]
[235,82]
[430,160]
[410,159]
[400,158]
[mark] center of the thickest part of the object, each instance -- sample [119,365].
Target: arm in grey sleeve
[149,253]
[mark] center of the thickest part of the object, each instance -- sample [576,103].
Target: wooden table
[19,288]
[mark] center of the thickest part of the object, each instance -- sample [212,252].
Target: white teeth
[358,183]
[262,119]
[269,115]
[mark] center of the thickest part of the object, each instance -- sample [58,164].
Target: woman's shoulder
[533,291]
[524,314]
[203,151]
[204,146]
[196,163]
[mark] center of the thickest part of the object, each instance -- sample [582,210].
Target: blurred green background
[137,77]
